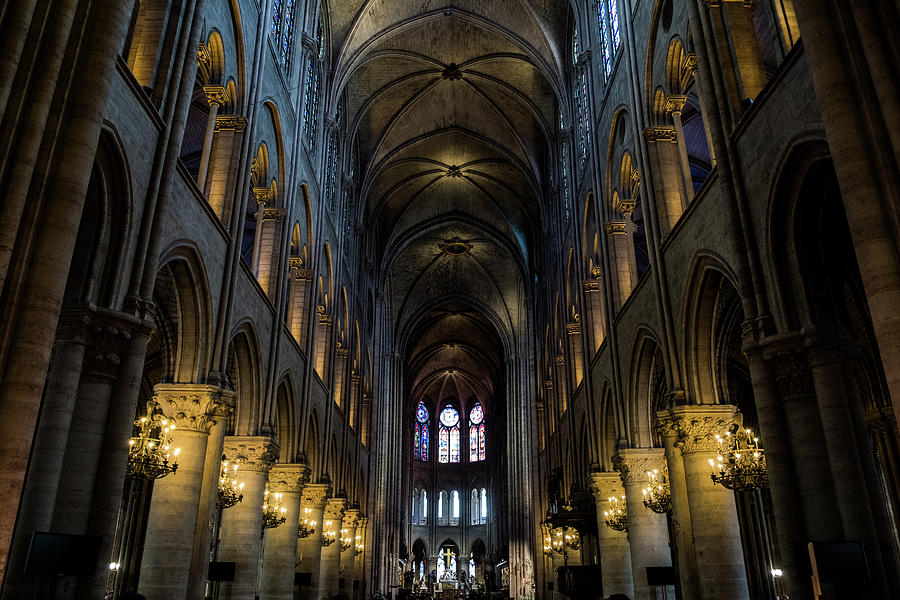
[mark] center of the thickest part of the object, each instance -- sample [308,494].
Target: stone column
[300,279]
[562,395]
[622,259]
[674,106]
[172,524]
[662,145]
[262,198]
[323,337]
[242,524]
[351,520]
[576,350]
[224,159]
[270,247]
[594,299]
[215,95]
[330,562]
[647,531]
[615,553]
[309,549]
[714,523]
[358,573]
[280,553]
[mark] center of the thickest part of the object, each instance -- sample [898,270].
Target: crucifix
[448,555]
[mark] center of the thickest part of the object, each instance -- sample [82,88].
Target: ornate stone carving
[296,262]
[573,328]
[252,453]
[260,193]
[304,274]
[288,478]
[790,365]
[548,384]
[626,205]
[596,272]
[351,518]
[633,463]
[104,343]
[73,327]
[660,133]
[234,123]
[697,426]
[452,72]
[590,286]
[342,352]
[192,406]
[274,214]
[334,508]
[615,227]
[606,485]
[215,94]
[559,359]
[675,103]
[315,495]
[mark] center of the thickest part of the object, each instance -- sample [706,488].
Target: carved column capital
[573,328]
[606,485]
[262,196]
[315,495]
[215,94]
[334,508]
[633,463]
[288,478]
[103,345]
[615,227]
[789,359]
[351,518]
[191,406]
[674,103]
[252,452]
[696,426]
[590,286]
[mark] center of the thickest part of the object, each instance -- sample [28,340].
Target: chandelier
[548,542]
[229,492]
[741,464]
[571,538]
[657,496]
[616,517]
[346,541]
[559,544]
[150,450]
[307,524]
[359,546]
[329,535]
[273,510]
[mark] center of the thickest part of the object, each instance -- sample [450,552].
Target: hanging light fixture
[657,496]
[559,543]
[616,516]
[229,492]
[741,464]
[273,510]
[329,535]
[360,548]
[307,524]
[346,541]
[572,538]
[548,542]
[149,452]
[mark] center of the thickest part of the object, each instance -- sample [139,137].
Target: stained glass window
[614,23]
[448,450]
[311,103]
[283,30]
[331,168]
[565,178]
[420,436]
[584,128]
[476,433]
[605,52]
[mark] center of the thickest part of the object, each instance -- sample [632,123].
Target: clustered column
[714,524]
[330,562]
[312,510]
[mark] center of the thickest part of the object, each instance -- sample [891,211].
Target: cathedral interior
[449,299]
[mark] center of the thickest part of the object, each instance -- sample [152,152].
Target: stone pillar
[280,553]
[241,527]
[594,299]
[622,259]
[340,370]
[742,33]
[576,350]
[270,247]
[351,520]
[365,419]
[223,166]
[683,554]
[647,531]
[615,553]
[323,337]
[330,562]
[262,195]
[360,562]
[309,549]
[172,524]
[662,145]
[353,401]
[674,106]
[300,280]
[215,95]
[562,395]
[714,523]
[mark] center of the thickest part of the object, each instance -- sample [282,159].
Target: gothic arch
[644,389]
[244,372]
[285,419]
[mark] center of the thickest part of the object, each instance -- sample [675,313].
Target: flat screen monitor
[62,554]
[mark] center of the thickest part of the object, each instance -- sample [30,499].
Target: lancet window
[448,437]
[420,435]
[477,433]
[283,30]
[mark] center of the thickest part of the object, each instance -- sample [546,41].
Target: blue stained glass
[476,415]
[565,179]
[276,16]
[444,445]
[604,39]
[473,443]
[575,47]
[481,436]
[424,441]
[614,22]
[421,412]
[454,445]
[416,444]
[449,416]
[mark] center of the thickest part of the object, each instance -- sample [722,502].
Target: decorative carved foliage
[315,495]
[696,427]
[605,485]
[252,453]
[634,463]
[192,407]
[288,478]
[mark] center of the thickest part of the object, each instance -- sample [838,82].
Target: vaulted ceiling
[453,108]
